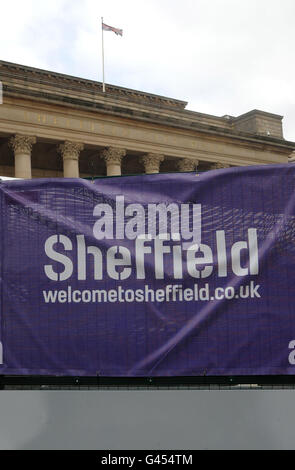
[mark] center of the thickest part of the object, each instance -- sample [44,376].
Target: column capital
[113,155]
[219,166]
[22,143]
[152,162]
[187,164]
[70,150]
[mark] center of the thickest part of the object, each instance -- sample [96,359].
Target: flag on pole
[117,31]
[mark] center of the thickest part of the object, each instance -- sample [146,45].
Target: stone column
[187,164]
[152,162]
[22,147]
[219,166]
[113,158]
[70,152]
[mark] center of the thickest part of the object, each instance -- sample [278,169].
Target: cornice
[199,129]
[22,82]
[58,80]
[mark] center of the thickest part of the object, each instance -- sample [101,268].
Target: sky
[221,56]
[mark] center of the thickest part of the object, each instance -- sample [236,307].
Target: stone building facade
[55,125]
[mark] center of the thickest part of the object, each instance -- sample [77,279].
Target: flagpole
[103,82]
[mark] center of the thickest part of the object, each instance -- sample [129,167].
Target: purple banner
[156,275]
